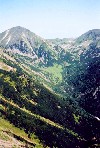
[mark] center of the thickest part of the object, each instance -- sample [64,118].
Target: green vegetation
[33,112]
[34,77]
[76,118]
[7,127]
[38,111]
[54,73]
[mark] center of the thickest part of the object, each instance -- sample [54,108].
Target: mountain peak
[90,35]
[17,34]
[19,28]
[21,40]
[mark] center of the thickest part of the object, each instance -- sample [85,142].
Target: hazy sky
[51,18]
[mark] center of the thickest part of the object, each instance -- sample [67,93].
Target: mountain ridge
[50,90]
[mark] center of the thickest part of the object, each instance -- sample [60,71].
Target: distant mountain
[19,39]
[92,35]
[63,43]
[90,61]
[37,55]
[83,72]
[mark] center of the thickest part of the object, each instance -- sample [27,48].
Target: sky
[51,18]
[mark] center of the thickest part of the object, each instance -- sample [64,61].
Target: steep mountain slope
[90,60]
[34,54]
[11,136]
[90,35]
[31,107]
[35,109]
[32,75]
[83,75]
[20,40]
[13,36]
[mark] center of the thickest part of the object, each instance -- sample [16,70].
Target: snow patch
[28,43]
[5,35]
[8,40]
[97,118]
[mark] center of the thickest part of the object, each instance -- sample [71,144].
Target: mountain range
[49,89]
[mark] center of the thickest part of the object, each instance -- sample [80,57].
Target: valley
[49,90]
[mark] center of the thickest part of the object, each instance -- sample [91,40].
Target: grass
[47,121]
[7,126]
[3,136]
[76,118]
[34,115]
[5,66]
[1,107]
[54,73]
[11,83]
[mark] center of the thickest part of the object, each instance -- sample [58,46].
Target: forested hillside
[49,90]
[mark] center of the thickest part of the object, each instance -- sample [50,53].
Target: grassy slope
[39,108]
[54,73]
[32,120]
[10,129]
[27,109]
